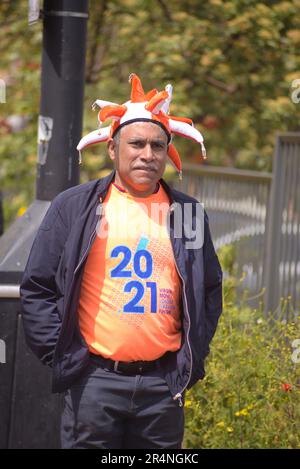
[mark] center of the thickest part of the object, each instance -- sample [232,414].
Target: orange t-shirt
[130,292]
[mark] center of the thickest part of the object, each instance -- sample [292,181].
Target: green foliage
[231,62]
[20,48]
[250,397]
[227,256]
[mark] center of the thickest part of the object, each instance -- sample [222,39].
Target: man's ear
[111,148]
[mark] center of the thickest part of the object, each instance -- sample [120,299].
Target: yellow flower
[243,412]
[251,406]
[221,424]
[21,211]
[229,429]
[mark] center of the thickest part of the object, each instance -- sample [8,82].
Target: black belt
[129,368]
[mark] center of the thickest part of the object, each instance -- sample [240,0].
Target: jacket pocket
[197,373]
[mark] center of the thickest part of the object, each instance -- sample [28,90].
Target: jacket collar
[104,183]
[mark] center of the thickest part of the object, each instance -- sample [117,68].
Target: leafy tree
[231,62]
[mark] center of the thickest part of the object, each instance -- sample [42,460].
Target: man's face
[140,157]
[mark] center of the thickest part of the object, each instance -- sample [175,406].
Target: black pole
[24,383]
[62,90]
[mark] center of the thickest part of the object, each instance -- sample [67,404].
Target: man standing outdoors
[122,291]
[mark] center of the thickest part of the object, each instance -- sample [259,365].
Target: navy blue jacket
[50,288]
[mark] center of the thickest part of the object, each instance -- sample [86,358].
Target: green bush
[250,397]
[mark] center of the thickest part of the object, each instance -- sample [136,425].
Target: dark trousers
[108,409]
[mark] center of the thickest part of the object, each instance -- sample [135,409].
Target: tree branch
[230,89]
[94,47]
[165,10]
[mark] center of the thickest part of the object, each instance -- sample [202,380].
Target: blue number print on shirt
[137,263]
[131,306]
[152,286]
[120,271]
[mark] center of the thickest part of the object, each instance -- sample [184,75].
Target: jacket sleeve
[213,285]
[38,290]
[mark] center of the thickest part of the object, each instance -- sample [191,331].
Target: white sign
[33,11]
[45,127]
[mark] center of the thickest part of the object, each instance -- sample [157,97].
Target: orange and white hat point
[152,106]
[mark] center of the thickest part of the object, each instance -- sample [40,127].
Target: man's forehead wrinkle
[144,139]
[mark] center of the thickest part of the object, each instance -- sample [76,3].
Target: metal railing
[237,203]
[9,291]
[258,213]
[283,239]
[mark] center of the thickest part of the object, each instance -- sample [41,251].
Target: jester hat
[150,107]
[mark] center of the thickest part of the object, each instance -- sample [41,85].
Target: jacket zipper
[92,237]
[179,394]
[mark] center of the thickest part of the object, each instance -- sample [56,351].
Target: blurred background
[235,69]
[232,64]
